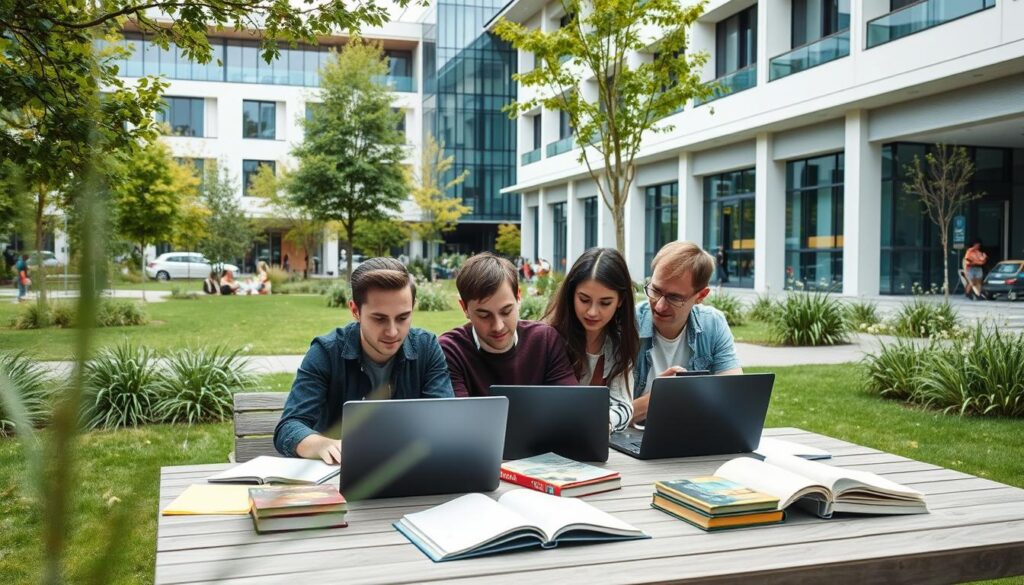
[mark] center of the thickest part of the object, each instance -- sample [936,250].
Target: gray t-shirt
[380,379]
[667,353]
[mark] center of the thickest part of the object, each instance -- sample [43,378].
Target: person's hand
[640,410]
[320,447]
[671,371]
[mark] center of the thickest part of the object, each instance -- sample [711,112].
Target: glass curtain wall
[729,224]
[814,223]
[589,222]
[662,218]
[559,229]
[184,115]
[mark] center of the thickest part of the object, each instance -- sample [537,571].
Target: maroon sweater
[538,359]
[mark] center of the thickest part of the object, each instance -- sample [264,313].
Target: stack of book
[714,503]
[277,509]
[558,476]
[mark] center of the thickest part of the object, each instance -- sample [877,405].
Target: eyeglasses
[656,295]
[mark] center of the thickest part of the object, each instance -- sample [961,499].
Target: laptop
[571,421]
[418,447]
[700,415]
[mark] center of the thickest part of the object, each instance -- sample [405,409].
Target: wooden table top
[975,531]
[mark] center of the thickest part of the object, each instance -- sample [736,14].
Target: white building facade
[798,172]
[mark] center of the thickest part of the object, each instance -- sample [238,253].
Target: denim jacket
[331,374]
[707,334]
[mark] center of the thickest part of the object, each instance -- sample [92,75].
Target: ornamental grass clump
[763,309]
[120,387]
[432,297]
[809,319]
[337,296]
[27,381]
[198,385]
[532,307]
[921,318]
[862,315]
[729,305]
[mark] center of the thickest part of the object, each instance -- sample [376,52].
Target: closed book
[718,522]
[559,476]
[299,522]
[716,495]
[268,502]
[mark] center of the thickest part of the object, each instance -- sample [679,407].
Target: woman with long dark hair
[593,311]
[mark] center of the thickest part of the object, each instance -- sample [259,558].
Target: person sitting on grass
[593,311]
[228,284]
[211,285]
[378,356]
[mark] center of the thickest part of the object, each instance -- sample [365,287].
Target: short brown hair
[482,275]
[686,258]
[380,274]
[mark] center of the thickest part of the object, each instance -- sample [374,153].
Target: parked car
[49,259]
[1006,279]
[182,265]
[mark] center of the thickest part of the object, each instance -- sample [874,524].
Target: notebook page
[553,513]
[465,523]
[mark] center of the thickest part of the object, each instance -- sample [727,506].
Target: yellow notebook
[203,498]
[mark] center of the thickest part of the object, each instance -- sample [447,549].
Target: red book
[558,476]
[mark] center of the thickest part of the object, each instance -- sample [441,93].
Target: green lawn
[125,464]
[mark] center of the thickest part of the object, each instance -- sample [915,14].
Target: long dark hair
[608,267]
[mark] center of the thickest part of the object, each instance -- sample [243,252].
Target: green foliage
[862,314]
[418,269]
[548,284]
[304,287]
[432,297]
[120,313]
[377,237]
[812,318]
[63,314]
[350,160]
[978,374]
[509,240]
[303,228]
[338,295]
[121,387]
[921,318]
[764,309]
[439,210]
[32,316]
[109,313]
[228,231]
[533,307]
[181,293]
[277,277]
[199,385]
[31,387]
[731,306]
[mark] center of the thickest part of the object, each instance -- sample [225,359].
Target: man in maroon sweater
[495,347]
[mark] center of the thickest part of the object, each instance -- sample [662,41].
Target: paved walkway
[152,296]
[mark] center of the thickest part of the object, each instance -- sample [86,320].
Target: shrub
[183,294]
[32,316]
[978,374]
[337,296]
[29,383]
[120,313]
[763,309]
[432,297]
[532,307]
[729,305]
[305,287]
[548,284]
[921,318]
[199,384]
[277,277]
[418,269]
[814,318]
[861,315]
[63,314]
[120,389]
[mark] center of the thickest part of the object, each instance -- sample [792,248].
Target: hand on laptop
[319,446]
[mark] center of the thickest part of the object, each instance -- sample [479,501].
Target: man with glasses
[677,332]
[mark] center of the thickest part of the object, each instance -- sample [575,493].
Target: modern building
[798,171]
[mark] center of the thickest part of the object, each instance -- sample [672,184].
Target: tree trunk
[945,265]
[430,261]
[142,246]
[40,281]
[349,229]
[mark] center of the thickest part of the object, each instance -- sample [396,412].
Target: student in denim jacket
[378,356]
[677,332]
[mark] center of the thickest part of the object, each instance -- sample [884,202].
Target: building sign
[959,232]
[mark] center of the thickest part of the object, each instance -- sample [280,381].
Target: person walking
[21,268]
[974,270]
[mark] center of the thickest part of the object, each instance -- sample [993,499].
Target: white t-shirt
[666,353]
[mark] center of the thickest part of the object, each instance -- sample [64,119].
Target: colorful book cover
[717,495]
[551,473]
[305,499]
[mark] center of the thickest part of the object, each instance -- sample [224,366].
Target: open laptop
[392,448]
[571,421]
[700,415]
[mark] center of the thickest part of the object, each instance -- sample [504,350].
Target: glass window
[259,120]
[184,115]
[589,222]
[400,115]
[564,125]
[814,19]
[814,223]
[736,42]
[661,215]
[537,132]
[559,230]
[729,224]
[249,170]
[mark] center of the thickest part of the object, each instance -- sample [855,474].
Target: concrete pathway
[152,296]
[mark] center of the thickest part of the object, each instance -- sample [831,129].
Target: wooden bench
[256,414]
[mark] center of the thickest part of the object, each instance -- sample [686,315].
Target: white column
[415,245]
[769,218]
[574,226]
[605,224]
[862,208]
[635,222]
[329,263]
[545,237]
[691,202]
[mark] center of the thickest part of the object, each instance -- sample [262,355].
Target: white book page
[285,468]
[554,514]
[783,484]
[840,480]
[465,523]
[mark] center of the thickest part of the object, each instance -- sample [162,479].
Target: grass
[125,464]
[753,332]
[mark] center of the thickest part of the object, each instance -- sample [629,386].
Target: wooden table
[975,530]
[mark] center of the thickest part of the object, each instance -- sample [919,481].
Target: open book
[265,469]
[823,489]
[474,524]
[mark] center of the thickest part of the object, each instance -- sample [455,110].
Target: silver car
[182,265]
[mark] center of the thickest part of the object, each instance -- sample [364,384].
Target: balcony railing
[921,16]
[530,157]
[400,83]
[819,52]
[731,83]
[563,145]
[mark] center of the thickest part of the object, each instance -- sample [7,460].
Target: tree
[439,211]
[942,190]
[229,232]
[378,236]
[350,162]
[147,202]
[601,42]
[302,227]
[509,240]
